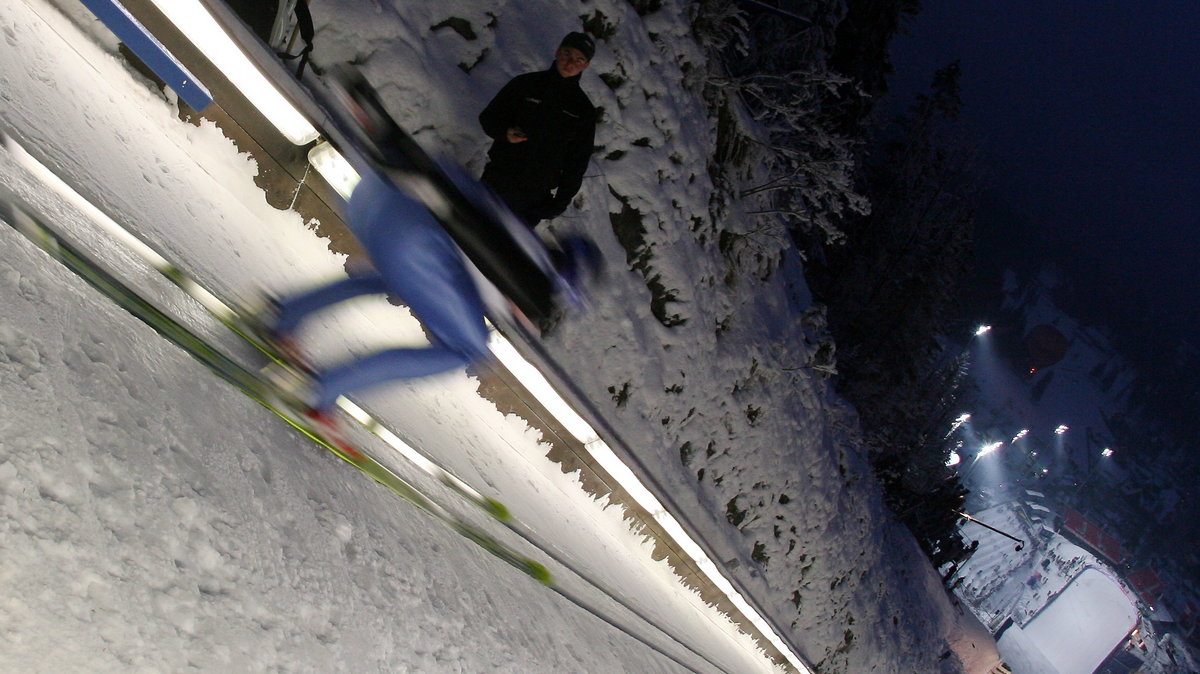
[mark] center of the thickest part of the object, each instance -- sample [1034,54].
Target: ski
[251,383]
[244,323]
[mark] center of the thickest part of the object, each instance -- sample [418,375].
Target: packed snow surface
[1079,628]
[1075,631]
[155,520]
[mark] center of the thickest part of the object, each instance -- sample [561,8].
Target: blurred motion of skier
[404,211]
[543,128]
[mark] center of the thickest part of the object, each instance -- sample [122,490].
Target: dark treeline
[888,265]
[893,297]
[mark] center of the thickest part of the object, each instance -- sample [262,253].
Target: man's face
[570,61]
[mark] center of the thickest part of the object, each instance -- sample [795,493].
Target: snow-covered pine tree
[782,158]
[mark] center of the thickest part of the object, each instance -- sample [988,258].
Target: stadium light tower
[983,451]
[958,422]
[989,448]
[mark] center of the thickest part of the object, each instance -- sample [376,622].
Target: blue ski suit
[417,261]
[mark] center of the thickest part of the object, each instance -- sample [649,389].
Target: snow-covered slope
[154,520]
[215,522]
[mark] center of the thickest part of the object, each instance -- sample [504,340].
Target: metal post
[1020,543]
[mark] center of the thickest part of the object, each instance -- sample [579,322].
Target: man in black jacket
[543,127]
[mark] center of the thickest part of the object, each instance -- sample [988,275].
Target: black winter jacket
[560,123]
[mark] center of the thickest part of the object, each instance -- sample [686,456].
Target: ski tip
[497,509]
[539,572]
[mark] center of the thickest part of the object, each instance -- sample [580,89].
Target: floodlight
[334,168]
[989,448]
[959,421]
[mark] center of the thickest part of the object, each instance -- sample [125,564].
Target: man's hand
[516,135]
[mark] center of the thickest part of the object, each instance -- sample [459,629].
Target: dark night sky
[1086,111]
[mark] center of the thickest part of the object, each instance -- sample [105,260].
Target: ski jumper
[417,261]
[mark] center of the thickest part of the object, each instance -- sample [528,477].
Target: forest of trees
[884,210]
[893,289]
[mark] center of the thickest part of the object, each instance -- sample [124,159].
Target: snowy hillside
[165,522]
[712,385]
